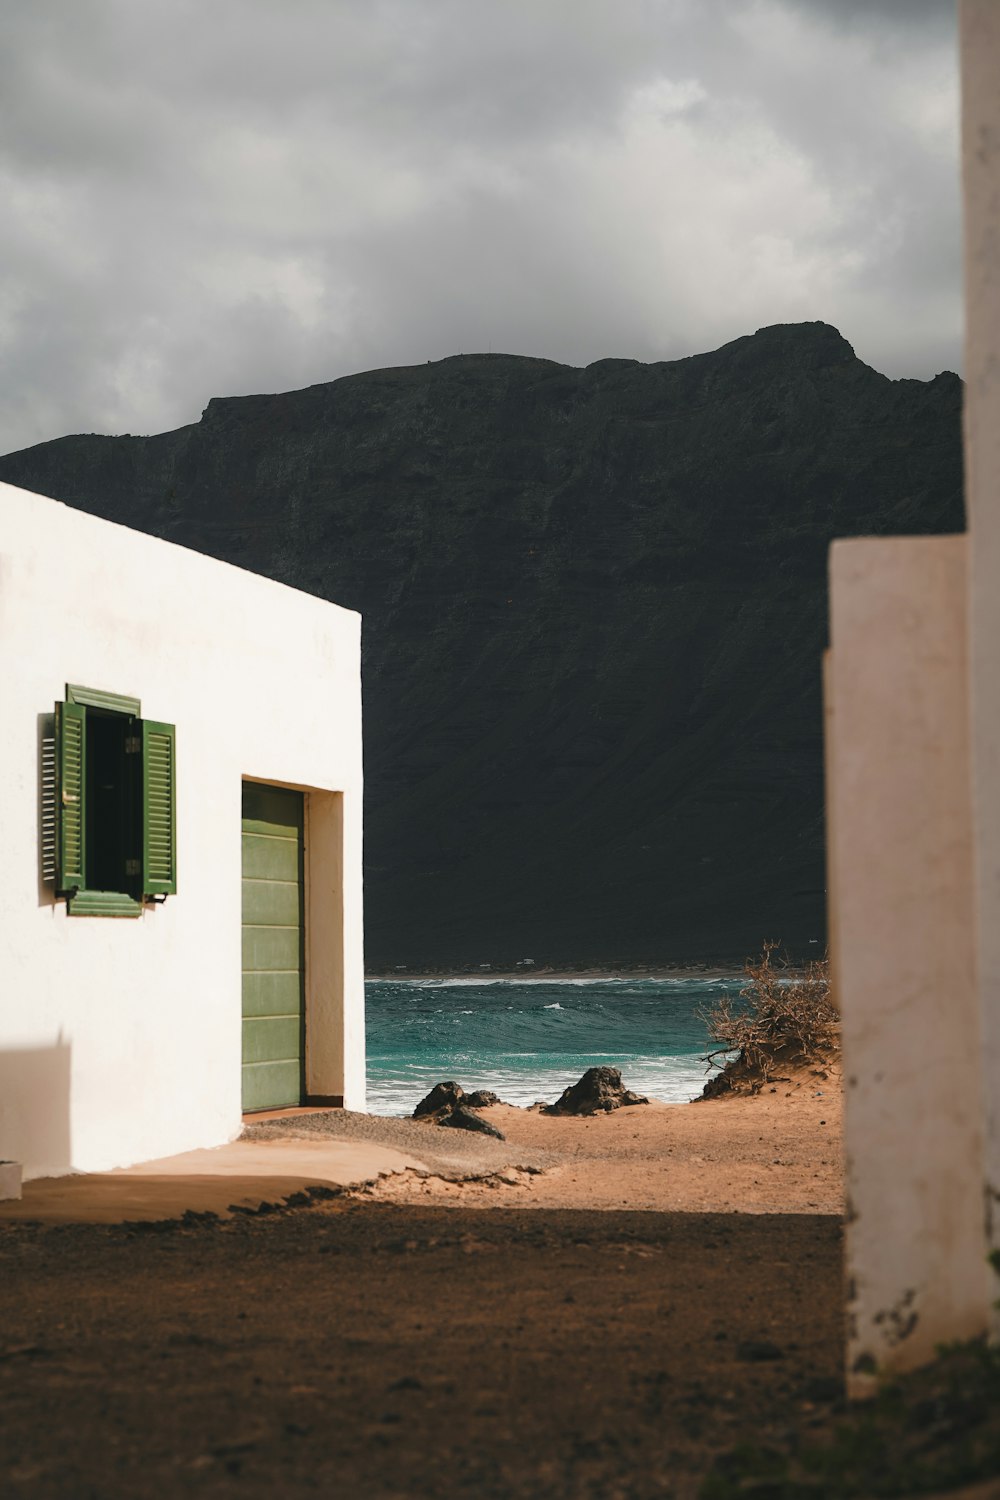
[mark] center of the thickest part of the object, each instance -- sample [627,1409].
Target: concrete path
[243,1174]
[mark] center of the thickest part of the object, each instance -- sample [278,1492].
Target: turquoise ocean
[527,1039]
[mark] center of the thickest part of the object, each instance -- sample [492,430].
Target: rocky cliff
[595,605]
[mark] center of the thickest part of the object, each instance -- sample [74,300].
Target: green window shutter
[71,749]
[159,810]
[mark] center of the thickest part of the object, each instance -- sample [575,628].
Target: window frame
[115,703]
[150,868]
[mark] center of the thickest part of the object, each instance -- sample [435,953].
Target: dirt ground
[378,1350]
[662,1291]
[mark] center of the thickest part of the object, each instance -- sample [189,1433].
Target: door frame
[323,916]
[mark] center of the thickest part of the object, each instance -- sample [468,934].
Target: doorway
[273,947]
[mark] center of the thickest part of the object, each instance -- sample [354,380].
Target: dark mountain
[595,604]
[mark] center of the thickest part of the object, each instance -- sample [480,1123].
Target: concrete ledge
[243,1174]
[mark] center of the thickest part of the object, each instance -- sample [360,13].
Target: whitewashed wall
[913,765]
[120,1039]
[980,54]
[899,839]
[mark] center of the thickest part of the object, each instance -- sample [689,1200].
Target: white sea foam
[674,1080]
[489,981]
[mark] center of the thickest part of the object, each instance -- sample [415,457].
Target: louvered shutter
[71,767]
[159,813]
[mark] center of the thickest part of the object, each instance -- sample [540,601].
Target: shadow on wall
[46,753]
[34,1108]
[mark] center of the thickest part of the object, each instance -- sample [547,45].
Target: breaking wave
[527,1039]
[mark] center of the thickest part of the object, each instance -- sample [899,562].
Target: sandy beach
[778,1151]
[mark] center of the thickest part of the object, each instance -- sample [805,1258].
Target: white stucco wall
[120,1039]
[980,48]
[901,876]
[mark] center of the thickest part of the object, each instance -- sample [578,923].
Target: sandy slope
[774,1152]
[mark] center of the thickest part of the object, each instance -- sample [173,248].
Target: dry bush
[786,1018]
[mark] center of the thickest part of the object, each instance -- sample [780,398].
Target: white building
[913,781]
[180,779]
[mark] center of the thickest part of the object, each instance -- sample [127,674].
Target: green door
[273,946]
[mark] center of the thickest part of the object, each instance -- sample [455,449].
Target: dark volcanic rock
[600,1090]
[595,603]
[449,1104]
[442,1096]
[717,1085]
[461,1118]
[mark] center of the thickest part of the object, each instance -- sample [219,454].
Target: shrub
[781,1018]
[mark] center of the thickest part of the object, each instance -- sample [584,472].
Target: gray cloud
[206,200]
[938,15]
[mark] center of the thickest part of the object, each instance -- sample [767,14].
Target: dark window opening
[114,814]
[110,804]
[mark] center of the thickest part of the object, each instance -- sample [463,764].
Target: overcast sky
[213,197]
